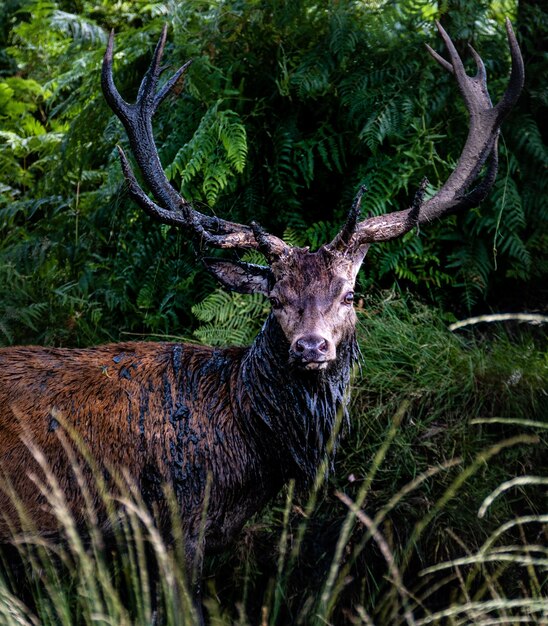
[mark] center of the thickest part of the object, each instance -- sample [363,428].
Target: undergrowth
[434,513]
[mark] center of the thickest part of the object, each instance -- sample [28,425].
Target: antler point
[110,47]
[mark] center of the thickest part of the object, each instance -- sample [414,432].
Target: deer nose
[311,348]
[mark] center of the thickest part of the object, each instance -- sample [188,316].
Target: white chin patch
[316,366]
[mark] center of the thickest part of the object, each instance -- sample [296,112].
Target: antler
[173,208]
[454,195]
[481,144]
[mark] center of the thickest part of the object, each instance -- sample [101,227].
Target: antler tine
[147,88]
[342,240]
[439,59]
[137,121]
[112,96]
[149,83]
[517,75]
[173,208]
[481,145]
[481,74]
[272,247]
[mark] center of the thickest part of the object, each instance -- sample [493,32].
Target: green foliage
[28,145]
[25,313]
[287,108]
[217,150]
[229,318]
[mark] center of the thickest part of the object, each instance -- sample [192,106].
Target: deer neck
[295,414]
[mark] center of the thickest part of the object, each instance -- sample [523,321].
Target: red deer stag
[247,418]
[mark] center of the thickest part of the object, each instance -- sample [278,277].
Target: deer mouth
[310,362]
[309,365]
[315,365]
[313,361]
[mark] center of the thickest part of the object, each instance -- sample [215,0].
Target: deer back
[163,412]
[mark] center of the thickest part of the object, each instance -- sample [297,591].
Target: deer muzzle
[313,351]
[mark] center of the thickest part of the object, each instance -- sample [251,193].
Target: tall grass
[112,569]
[435,514]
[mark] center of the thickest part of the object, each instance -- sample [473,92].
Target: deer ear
[241,277]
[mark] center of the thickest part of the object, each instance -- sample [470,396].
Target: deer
[239,422]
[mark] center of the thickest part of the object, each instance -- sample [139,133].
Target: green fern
[344,37]
[232,134]
[384,122]
[216,152]
[17,310]
[229,318]
[77,28]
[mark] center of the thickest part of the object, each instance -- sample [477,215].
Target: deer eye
[348,298]
[276,304]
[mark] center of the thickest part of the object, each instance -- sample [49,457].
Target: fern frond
[232,134]
[343,35]
[216,152]
[80,29]
[229,318]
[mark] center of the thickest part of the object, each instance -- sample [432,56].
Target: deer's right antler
[173,208]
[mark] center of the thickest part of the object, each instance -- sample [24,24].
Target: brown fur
[126,403]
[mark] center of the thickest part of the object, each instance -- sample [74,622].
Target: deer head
[311,293]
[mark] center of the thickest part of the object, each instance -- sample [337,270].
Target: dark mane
[298,410]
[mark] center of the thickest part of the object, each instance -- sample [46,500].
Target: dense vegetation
[288,107]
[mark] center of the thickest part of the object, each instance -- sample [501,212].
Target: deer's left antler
[481,145]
